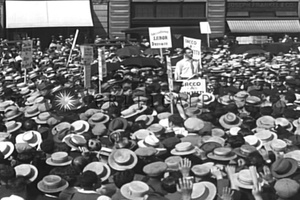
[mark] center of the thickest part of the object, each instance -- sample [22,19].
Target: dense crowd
[239,140]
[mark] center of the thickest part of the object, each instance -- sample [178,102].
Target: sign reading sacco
[160,37]
[195,45]
[194,86]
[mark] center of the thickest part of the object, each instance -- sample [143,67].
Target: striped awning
[264,26]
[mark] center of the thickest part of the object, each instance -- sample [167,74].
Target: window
[168,10]
[143,10]
[194,10]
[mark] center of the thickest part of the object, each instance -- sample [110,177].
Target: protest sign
[170,80]
[102,68]
[194,86]
[195,45]
[160,37]
[205,28]
[26,54]
[87,56]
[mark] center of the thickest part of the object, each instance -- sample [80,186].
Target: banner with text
[26,53]
[87,54]
[160,37]
[194,86]
[195,45]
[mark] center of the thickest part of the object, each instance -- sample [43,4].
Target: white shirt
[186,68]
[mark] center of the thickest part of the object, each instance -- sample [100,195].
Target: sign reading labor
[26,53]
[87,53]
[195,45]
[160,37]
[194,86]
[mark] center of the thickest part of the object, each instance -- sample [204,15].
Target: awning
[32,14]
[264,26]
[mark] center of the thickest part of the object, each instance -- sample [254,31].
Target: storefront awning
[53,13]
[264,26]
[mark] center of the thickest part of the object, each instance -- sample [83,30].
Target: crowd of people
[239,140]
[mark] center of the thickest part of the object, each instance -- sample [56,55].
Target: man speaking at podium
[187,68]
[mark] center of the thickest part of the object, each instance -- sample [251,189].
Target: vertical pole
[208,43]
[99,68]
[73,46]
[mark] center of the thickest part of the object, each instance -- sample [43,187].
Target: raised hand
[226,194]
[185,167]
[185,186]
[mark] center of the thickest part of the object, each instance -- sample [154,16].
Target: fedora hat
[13,126]
[225,100]
[42,118]
[293,154]
[222,154]
[244,150]
[135,190]
[155,169]
[59,159]
[253,140]
[204,190]
[6,148]
[278,145]
[28,171]
[243,179]
[157,129]
[122,159]
[30,100]
[32,111]
[284,123]
[33,138]
[266,136]
[183,148]
[118,123]
[148,119]
[101,169]
[207,98]
[80,126]
[98,118]
[145,151]
[74,141]
[60,131]
[150,141]
[11,112]
[266,122]
[284,167]
[52,184]
[230,120]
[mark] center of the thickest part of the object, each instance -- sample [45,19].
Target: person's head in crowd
[256,159]
[188,53]
[47,146]
[89,180]
[25,157]
[238,84]
[123,177]
[68,173]
[61,147]
[236,141]
[137,125]
[289,97]
[223,81]
[88,100]
[29,124]
[18,185]
[7,173]
[175,120]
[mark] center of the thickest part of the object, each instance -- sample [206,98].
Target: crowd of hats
[128,128]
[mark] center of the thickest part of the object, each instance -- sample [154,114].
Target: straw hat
[98,118]
[32,111]
[253,140]
[155,169]
[60,131]
[202,170]
[207,98]
[266,136]
[278,145]
[28,171]
[74,141]
[33,138]
[296,122]
[230,120]
[135,190]
[244,150]
[141,134]
[150,141]
[133,110]
[80,126]
[148,119]
[266,122]
[204,190]
[42,118]
[222,154]
[13,126]
[59,159]
[52,184]
[122,159]
[183,148]
[101,169]
[243,179]
[6,148]
[11,113]
[284,123]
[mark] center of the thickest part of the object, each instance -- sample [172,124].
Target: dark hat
[117,123]
[284,167]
